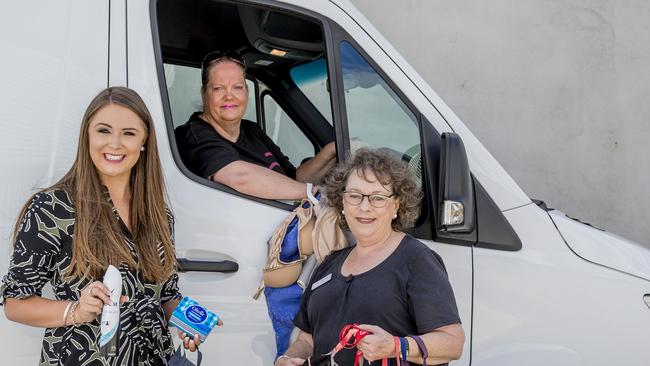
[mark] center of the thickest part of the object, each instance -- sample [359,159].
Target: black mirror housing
[456,203]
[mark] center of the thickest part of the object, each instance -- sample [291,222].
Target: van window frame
[425,225]
[167,114]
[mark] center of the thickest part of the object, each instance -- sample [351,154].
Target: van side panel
[543,305]
[53,61]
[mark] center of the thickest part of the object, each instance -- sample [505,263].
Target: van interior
[284,53]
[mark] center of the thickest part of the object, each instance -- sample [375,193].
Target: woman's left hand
[191,344]
[377,345]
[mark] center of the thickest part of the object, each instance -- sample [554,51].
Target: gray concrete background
[558,91]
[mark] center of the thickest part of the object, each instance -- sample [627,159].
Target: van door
[54,59]
[377,109]
[214,224]
[333,98]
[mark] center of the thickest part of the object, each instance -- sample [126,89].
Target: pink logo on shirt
[273,165]
[268,154]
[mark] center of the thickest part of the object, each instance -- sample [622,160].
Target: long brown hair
[97,239]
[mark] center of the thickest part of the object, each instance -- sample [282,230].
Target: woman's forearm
[38,312]
[317,168]
[444,344]
[169,307]
[303,347]
[260,182]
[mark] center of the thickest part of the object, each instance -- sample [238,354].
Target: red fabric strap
[397,347]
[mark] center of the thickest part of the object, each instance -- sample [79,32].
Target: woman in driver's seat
[217,144]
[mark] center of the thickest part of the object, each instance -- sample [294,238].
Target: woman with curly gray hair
[389,284]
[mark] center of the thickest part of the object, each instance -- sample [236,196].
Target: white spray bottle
[110,322]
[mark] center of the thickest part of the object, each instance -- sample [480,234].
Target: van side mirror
[456,212]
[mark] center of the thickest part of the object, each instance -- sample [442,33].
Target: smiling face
[225,95]
[115,136]
[367,223]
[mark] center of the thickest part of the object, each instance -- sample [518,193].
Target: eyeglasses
[216,56]
[376,200]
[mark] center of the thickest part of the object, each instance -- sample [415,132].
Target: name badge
[321,282]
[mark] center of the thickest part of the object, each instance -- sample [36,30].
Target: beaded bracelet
[65,313]
[72,311]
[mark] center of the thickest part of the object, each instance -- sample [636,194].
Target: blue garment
[283,304]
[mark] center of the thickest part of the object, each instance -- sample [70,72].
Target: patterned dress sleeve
[170,289]
[37,245]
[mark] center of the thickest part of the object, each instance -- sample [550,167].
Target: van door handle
[191,265]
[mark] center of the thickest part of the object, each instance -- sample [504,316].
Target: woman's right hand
[91,302]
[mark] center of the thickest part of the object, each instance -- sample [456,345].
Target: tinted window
[284,132]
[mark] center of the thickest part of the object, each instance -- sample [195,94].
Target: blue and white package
[192,318]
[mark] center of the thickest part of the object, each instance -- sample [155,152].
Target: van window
[376,116]
[311,79]
[184,88]
[284,132]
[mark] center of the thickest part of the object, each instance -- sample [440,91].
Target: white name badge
[321,282]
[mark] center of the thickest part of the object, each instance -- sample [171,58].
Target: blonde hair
[97,239]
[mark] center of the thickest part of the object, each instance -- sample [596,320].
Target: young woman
[108,209]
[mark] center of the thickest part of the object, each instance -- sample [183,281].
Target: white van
[533,286]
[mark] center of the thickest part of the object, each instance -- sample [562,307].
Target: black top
[43,253]
[408,293]
[205,152]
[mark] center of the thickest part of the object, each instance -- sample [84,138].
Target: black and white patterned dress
[43,252]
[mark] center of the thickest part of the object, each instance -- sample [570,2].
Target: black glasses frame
[371,202]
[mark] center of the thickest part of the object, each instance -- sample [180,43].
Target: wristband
[423,348]
[404,347]
[282,356]
[310,194]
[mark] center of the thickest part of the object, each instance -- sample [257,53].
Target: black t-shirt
[205,152]
[408,293]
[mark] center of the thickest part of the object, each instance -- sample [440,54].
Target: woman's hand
[191,344]
[91,302]
[377,345]
[289,361]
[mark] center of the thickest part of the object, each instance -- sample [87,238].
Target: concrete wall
[558,91]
